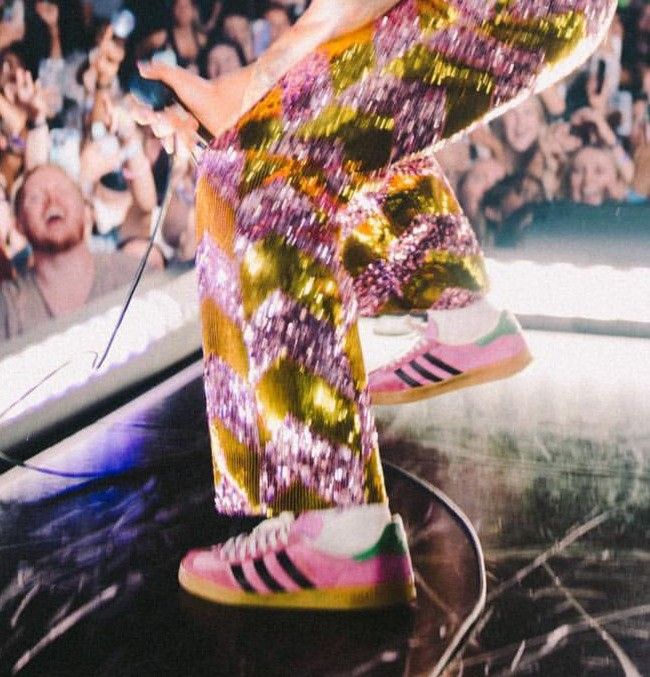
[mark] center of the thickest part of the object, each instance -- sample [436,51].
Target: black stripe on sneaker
[424,372]
[265,575]
[407,379]
[240,577]
[290,569]
[442,365]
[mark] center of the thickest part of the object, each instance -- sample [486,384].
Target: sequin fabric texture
[324,200]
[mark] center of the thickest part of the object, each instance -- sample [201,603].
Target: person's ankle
[465,325]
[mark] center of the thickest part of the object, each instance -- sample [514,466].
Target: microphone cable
[98,361]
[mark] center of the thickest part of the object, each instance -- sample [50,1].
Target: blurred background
[578,155]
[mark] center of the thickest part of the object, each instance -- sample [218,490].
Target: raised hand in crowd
[31,96]
[594,120]
[116,145]
[212,20]
[49,13]
[12,29]
[104,62]
[556,144]
[174,126]
[12,116]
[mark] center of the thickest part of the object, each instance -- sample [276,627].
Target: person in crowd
[600,169]
[220,56]
[593,177]
[115,173]
[55,43]
[51,214]
[278,20]
[519,130]
[635,52]
[641,145]
[236,25]
[15,252]
[182,35]
[179,227]
[504,206]
[511,145]
[473,185]
[24,108]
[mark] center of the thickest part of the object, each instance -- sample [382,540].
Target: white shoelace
[269,535]
[417,327]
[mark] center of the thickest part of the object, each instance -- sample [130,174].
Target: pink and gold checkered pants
[324,201]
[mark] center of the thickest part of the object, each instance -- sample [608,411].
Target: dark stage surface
[553,472]
[88,574]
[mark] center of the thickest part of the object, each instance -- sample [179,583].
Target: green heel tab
[507,325]
[391,542]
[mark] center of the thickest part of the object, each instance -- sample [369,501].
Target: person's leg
[407,243]
[285,382]
[408,247]
[288,406]
[286,391]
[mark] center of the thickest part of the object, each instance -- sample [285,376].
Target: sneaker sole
[366,597]
[492,372]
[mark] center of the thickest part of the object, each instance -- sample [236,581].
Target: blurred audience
[278,20]
[235,25]
[584,140]
[67,75]
[220,56]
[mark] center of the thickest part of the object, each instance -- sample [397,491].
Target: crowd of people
[585,140]
[69,144]
[80,182]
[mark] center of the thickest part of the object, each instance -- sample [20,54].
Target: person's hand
[31,96]
[97,159]
[216,104]
[214,16]
[49,13]
[13,116]
[174,126]
[117,117]
[11,31]
[123,122]
[557,142]
[587,114]
[105,62]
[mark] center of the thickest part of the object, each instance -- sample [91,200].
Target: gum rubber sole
[492,372]
[366,597]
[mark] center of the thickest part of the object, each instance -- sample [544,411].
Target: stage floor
[552,467]
[88,569]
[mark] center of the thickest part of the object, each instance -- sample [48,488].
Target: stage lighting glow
[65,361]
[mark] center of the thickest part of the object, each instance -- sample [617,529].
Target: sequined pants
[323,200]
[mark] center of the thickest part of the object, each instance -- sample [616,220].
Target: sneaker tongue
[309,524]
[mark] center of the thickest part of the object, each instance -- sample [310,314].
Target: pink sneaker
[341,558]
[432,368]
